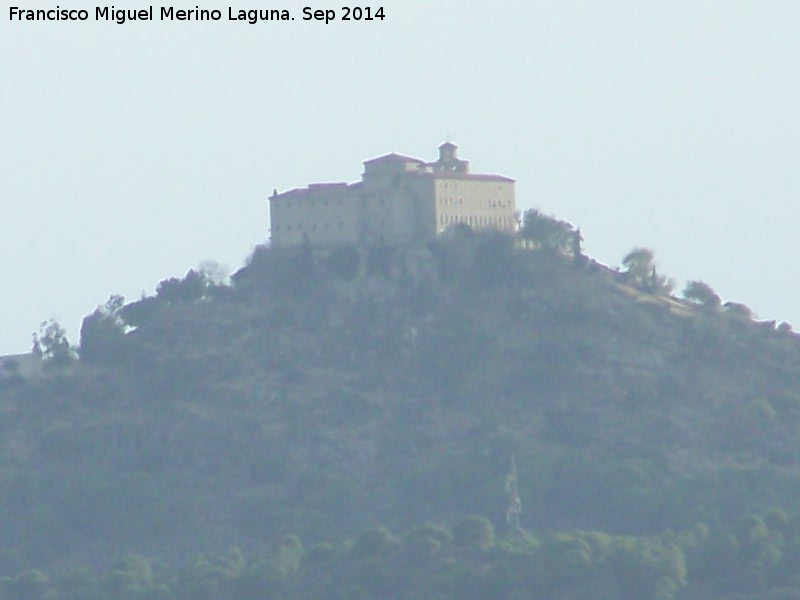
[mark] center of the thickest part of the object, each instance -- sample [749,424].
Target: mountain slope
[324,393]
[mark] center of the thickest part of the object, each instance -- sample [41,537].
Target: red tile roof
[393,157]
[468,176]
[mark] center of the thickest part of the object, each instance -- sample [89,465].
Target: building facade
[399,199]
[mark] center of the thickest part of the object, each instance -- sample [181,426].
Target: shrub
[474,532]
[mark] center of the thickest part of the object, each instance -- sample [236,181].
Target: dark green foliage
[103,333]
[747,559]
[140,312]
[343,262]
[51,345]
[702,293]
[430,531]
[326,391]
[640,271]
[474,532]
[194,286]
[495,262]
[377,542]
[737,310]
[550,234]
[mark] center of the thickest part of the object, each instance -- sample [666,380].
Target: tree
[177,291]
[103,332]
[640,271]
[493,260]
[137,313]
[375,542]
[739,311]
[51,344]
[474,532]
[702,293]
[215,273]
[577,247]
[286,557]
[31,585]
[638,263]
[549,233]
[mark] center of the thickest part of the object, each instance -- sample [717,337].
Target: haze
[133,153]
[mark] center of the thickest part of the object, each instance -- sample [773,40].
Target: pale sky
[132,153]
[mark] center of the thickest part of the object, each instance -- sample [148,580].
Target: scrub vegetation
[481,416]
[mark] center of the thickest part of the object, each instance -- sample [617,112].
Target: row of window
[309,227]
[493,202]
[455,186]
[444,220]
[475,220]
[305,203]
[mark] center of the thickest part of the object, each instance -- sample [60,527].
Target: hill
[323,394]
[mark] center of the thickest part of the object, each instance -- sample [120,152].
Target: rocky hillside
[325,393]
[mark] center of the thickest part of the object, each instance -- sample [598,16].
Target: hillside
[323,394]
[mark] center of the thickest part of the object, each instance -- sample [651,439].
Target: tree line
[755,558]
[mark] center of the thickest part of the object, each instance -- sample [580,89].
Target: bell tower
[448,159]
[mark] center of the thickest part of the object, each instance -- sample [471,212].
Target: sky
[132,153]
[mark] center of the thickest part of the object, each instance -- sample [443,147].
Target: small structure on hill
[399,199]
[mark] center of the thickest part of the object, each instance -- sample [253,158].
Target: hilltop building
[399,199]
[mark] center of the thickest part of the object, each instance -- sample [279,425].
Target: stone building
[399,199]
